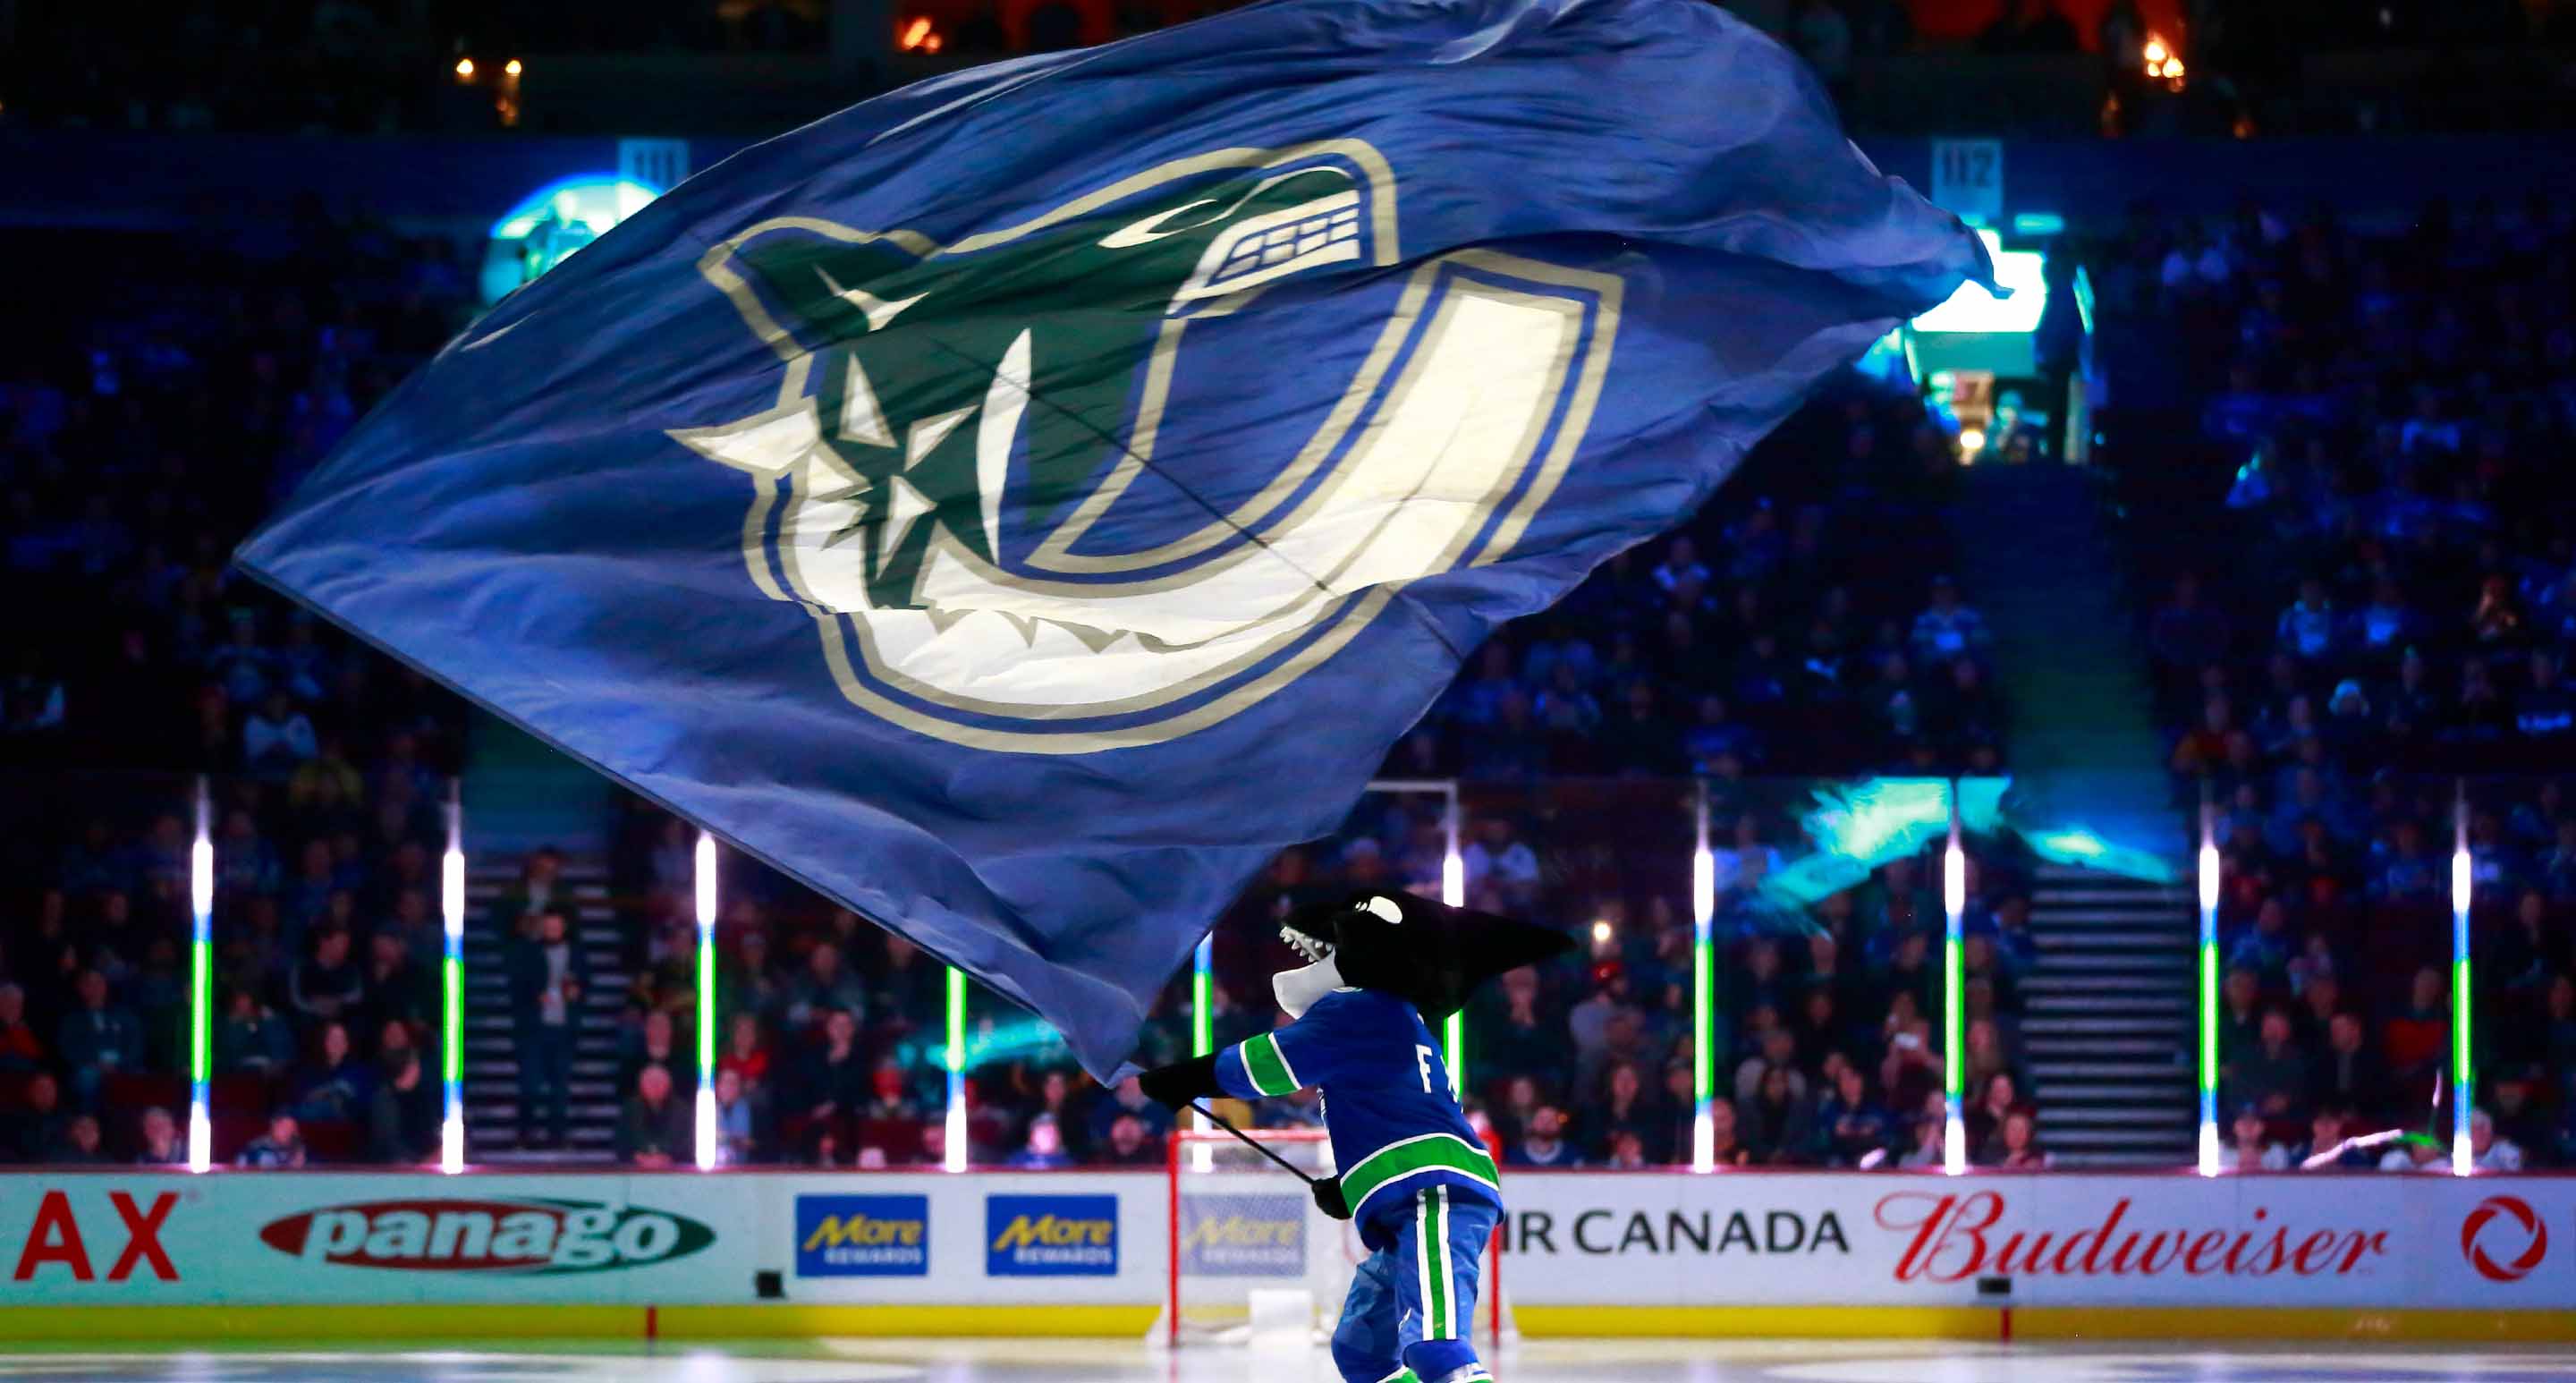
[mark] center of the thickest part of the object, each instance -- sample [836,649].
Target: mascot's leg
[1439,1256]
[1365,1347]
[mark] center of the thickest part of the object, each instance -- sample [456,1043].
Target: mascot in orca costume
[1385,968]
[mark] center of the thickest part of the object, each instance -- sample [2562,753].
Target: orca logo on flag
[1120,471]
[2535,1235]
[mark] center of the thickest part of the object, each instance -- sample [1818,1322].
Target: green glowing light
[1813,879]
[1703,1020]
[1456,1038]
[2464,1076]
[1879,819]
[451,1019]
[1202,1016]
[1981,804]
[2208,1016]
[201,1009]
[1012,1040]
[2078,846]
[706,1003]
[956,1019]
[1953,1019]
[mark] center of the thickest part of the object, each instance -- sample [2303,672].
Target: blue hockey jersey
[1395,1127]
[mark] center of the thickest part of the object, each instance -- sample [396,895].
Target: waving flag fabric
[1021,503]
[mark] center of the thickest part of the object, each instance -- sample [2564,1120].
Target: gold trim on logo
[1361,398]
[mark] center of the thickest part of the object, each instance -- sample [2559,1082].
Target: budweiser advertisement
[1571,1239]
[2359,1240]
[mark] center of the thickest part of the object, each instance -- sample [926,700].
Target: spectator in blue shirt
[2308,628]
[2386,624]
[1543,1143]
[2546,709]
[1851,1123]
[278,737]
[1681,566]
[1948,628]
[281,1146]
[2405,870]
[1044,1151]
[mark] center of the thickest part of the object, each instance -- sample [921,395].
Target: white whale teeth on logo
[1420,478]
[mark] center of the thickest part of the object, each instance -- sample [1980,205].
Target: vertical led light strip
[2208,989]
[1202,1016]
[201,980]
[451,988]
[1202,1035]
[2464,1076]
[956,1155]
[1453,891]
[1954,907]
[706,881]
[1703,992]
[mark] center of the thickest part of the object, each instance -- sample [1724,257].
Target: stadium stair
[491,1042]
[2037,560]
[2106,1029]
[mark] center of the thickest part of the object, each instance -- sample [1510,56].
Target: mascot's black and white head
[1429,954]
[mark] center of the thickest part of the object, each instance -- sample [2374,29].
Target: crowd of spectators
[2336,1004]
[1827,1014]
[1825,1030]
[831,1032]
[2385,597]
[2398,589]
[157,394]
[1800,624]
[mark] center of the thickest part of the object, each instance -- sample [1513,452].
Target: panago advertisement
[304,1237]
[402,1238]
[451,1235]
[1572,1239]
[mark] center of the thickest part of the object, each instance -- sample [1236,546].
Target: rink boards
[681,1254]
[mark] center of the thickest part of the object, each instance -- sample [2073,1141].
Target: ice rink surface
[874,1361]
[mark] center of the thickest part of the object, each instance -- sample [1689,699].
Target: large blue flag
[1020,504]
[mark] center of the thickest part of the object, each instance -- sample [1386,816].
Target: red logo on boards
[2533,1237]
[1953,1238]
[55,1240]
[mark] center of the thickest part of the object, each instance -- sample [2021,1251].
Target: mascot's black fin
[1429,954]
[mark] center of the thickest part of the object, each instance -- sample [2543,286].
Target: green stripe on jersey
[1431,1243]
[1440,1151]
[1268,1068]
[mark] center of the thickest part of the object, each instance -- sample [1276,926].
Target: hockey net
[1240,1223]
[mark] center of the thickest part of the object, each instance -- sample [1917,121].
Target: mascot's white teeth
[1305,945]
